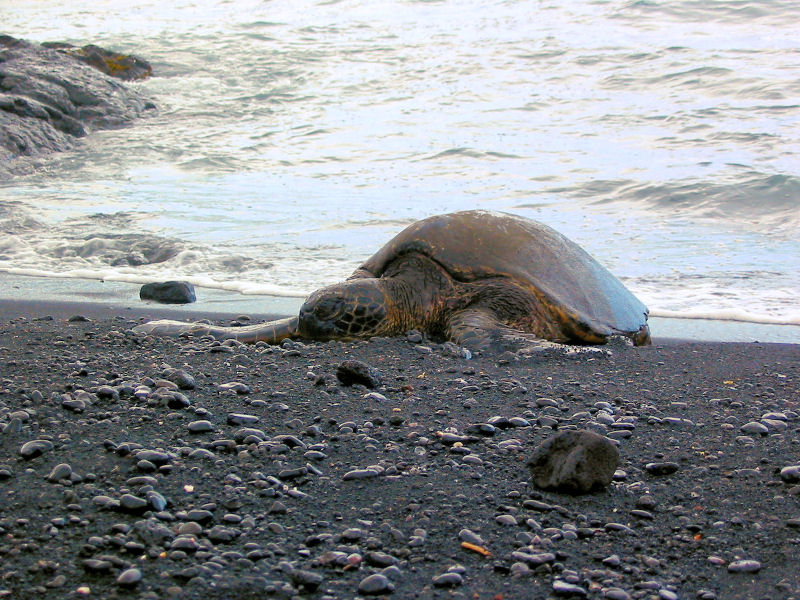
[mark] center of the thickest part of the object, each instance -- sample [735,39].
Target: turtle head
[352,309]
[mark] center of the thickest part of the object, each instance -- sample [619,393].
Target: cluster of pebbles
[150,468]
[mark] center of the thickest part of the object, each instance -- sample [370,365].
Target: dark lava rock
[661,468]
[306,579]
[350,372]
[574,462]
[133,504]
[129,577]
[156,500]
[93,565]
[448,580]
[49,97]
[35,448]
[79,319]
[375,584]
[241,419]
[122,66]
[59,472]
[182,378]
[154,456]
[168,292]
[790,474]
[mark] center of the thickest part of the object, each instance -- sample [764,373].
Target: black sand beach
[193,469]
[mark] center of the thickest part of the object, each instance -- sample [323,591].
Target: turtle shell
[473,245]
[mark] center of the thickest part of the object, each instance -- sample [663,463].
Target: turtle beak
[317,318]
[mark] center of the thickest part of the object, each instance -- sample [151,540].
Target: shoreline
[161,468]
[59,296]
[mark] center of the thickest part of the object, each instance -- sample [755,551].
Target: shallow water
[294,138]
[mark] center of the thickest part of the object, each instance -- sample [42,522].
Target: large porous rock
[351,372]
[49,97]
[168,292]
[574,462]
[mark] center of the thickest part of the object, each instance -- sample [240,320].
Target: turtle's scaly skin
[478,278]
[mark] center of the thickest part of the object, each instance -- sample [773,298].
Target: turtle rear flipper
[272,332]
[479,329]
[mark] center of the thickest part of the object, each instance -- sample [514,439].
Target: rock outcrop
[122,66]
[49,96]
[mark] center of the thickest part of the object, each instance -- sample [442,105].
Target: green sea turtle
[479,279]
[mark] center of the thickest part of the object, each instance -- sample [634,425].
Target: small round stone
[661,468]
[791,474]
[375,584]
[129,577]
[360,474]
[131,503]
[449,579]
[744,566]
[306,579]
[242,419]
[59,472]
[200,426]
[190,528]
[56,582]
[754,427]
[506,519]
[35,448]
[156,500]
[154,456]
[469,536]
[563,588]
[236,386]
[612,561]
[646,502]
[184,380]
[94,565]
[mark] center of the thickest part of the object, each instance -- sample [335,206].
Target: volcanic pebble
[754,427]
[376,583]
[790,474]
[60,471]
[448,580]
[35,448]
[562,588]
[201,426]
[744,566]
[129,577]
[661,468]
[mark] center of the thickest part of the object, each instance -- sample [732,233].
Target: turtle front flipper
[272,332]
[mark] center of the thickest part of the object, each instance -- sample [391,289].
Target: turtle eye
[328,308]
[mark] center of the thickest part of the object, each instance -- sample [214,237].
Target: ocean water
[293,138]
